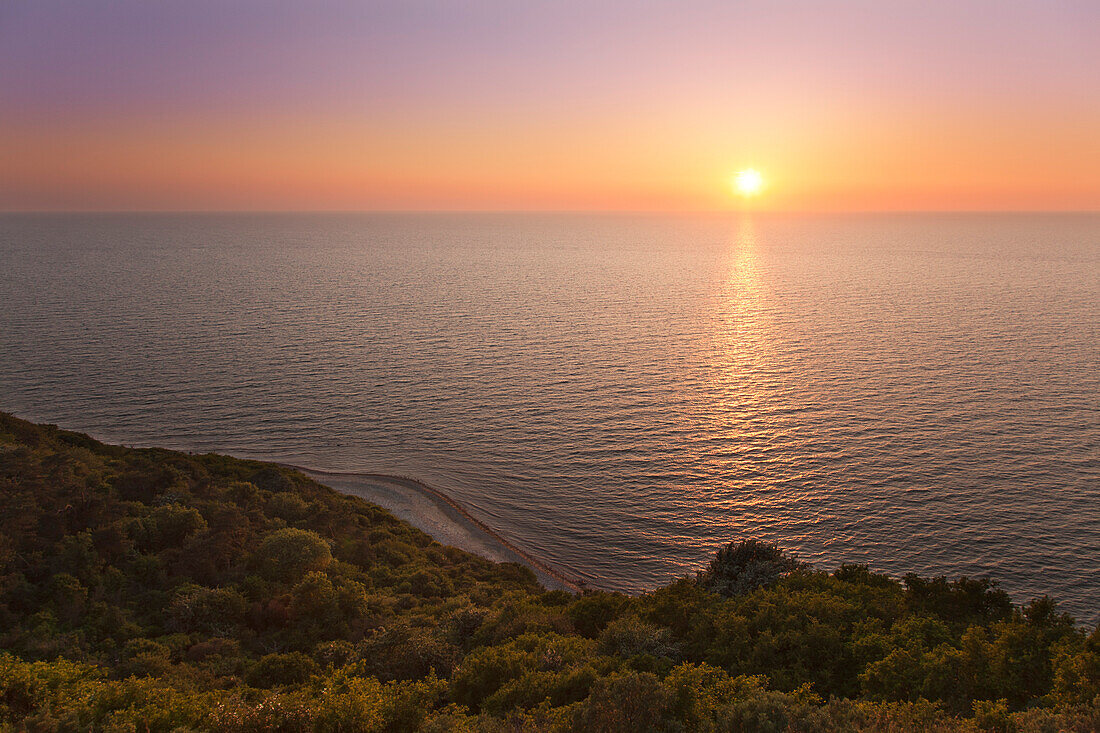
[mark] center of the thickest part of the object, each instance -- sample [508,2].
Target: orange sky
[917,107]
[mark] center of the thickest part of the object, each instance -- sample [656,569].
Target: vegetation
[154,590]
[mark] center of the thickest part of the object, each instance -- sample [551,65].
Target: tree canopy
[159,591]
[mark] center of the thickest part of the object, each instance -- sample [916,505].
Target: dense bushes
[151,590]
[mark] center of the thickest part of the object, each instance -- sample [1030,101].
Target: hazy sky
[240,104]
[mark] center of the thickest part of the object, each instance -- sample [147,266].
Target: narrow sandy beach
[437,514]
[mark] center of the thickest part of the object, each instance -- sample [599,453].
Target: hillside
[155,590]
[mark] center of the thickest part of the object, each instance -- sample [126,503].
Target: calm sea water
[619,395]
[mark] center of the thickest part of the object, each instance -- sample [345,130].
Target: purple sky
[686,92]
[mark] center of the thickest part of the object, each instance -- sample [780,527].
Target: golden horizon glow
[748,182]
[352,107]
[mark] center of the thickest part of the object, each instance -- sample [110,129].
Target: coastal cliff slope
[155,590]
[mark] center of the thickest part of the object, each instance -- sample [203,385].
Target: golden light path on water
[741,355]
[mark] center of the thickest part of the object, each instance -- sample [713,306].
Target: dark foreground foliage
[153,590]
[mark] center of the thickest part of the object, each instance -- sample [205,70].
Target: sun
[748,182]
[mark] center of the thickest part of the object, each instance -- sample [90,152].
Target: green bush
[592,612]
[626,704]
[287,554]
[216,611]
[167,526]
[273,670]
[742,567]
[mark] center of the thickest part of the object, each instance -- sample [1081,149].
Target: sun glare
[748,182]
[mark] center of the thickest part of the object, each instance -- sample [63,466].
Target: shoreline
[436,513]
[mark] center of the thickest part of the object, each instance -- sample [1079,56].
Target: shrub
[427,584]
[287,505]
[628,637]
[334,653]
[145,657]
[273,670]
[69,596]
[243,494]
[403,653]
[287,554]
[627,703]
[485,671]
[270,478]
[167,526]
[593,611]
[1077,672]
[213,610]
[742,567]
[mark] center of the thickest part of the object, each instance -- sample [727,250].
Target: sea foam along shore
[434,512]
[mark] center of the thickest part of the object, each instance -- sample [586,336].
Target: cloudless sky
[250,104]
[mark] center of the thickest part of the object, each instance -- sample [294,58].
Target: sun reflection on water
[739,355]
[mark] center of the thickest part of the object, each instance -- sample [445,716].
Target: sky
[549,105]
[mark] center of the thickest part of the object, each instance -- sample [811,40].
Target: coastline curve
[441,516]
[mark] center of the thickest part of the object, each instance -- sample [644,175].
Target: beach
[440,516]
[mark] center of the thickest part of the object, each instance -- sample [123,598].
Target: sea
[617,394]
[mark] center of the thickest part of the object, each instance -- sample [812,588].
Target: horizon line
[654,212]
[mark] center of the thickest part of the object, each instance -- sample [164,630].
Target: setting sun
[748,182]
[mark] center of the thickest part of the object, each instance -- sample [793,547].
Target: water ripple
[618,395]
